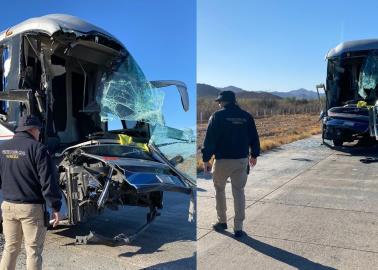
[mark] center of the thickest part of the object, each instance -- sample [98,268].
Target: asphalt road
[308,207]
[169,243]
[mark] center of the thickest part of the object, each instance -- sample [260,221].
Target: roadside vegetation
[276,128]
[261,107]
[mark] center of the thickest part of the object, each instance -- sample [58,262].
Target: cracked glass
[369,77]
[126,94]
[178,145]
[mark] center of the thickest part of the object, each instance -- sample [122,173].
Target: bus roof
[352,46]
[52,23]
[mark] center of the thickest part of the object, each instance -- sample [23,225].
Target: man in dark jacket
[28,182]
[232,137]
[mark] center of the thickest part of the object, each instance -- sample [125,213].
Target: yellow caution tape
[143,146]
[361,104]
[127,140]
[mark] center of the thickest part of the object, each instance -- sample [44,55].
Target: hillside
[231,88]
[257,95]
[298,94]
[205,90]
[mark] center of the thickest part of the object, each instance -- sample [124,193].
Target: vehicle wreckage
[79,79]
[351,92]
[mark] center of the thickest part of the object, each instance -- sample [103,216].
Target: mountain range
[300,93]
[206,90]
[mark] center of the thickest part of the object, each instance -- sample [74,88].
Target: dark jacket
[27,173]
[231,134]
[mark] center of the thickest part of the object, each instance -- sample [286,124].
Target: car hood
[148,175]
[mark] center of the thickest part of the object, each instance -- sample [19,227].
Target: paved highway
[308,207]
[169,243]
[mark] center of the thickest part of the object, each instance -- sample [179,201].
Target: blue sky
[275,45]
[161,35]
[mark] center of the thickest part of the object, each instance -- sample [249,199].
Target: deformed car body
[351,92]
[79,79]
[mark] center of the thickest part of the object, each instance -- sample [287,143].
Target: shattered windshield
[369,77]
[178,145]
[126,94]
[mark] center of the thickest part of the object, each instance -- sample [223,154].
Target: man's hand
[56,219]
[252,161]
[207,166]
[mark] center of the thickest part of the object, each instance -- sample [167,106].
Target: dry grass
[273,131]
[267,144]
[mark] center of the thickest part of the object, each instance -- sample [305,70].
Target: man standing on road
[232,137]
[28,182]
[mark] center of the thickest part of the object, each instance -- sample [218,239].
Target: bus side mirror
[181,87]
[321,86]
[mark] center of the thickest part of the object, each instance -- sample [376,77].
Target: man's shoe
[220,226]
[239,233]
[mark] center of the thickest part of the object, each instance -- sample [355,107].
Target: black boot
[238,234]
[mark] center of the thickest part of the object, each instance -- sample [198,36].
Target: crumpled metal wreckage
[103,120]
[350,109]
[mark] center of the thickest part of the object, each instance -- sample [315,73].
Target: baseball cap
[227,96]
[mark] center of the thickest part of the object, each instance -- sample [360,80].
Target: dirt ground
[274,130]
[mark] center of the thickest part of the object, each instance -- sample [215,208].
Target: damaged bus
[80,80]
[351,92]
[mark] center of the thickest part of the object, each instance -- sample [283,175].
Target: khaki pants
[236,169]
[22,220]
